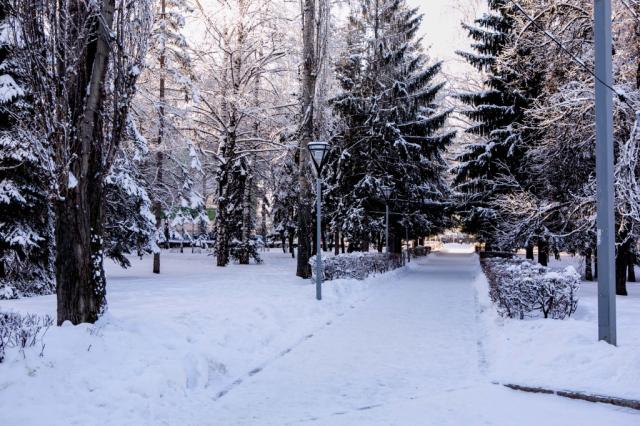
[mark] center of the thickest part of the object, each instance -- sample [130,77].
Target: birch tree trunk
[157,207]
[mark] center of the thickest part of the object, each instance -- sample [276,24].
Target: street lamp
[318,151]
[386,193]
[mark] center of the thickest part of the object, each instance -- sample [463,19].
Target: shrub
[522,289]
[357,265]
[22,331]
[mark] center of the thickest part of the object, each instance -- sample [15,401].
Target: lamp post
[604,172]
[318,151]
[386,193]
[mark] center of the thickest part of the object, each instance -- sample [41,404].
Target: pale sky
[441,28]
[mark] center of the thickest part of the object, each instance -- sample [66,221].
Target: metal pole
[386,229]
[318,237]
[604,173]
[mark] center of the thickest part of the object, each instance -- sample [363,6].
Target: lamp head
[386,191]
[318,151]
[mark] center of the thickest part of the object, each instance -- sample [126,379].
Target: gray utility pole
[318,238]
[604,173]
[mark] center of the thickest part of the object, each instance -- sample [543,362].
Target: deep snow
[200,345]
[566,354]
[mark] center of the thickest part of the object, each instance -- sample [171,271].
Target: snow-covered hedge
[522,289]
[357,265]
[22,331]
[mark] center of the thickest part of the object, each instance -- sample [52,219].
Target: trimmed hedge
[523,290]
[357,265]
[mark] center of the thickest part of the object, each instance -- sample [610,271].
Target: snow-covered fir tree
[393,129]
[495,111]
[129,222]
[167,90]
[26,234]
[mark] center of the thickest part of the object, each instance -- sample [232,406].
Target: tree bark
[543,252]
[529,251]
[306,136]
[324,237]
[336,242]
[157,207]
[246,219]
[631,270]
[588,271]
[80,278]
[291,249]
[622,256]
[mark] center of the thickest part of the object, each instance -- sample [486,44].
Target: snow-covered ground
[186,334]
[566,354]
[249,345]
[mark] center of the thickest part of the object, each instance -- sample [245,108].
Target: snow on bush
[357,265]
[522,289]
[22,331]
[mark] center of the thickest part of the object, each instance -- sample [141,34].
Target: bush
[22,331]
[356,265]
[522,289]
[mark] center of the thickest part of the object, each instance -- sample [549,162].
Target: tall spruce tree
[26,235]
[489,167]
[166,90]
[392,129]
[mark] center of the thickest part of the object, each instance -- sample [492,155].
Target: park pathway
[409,355]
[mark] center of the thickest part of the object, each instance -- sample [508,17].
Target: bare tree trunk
[80,278]
[336,242]
[529,251]
[246,220]
[157,207]
[543,252]
[588,270]
[631,267]
[306,136]
[622,256]
[291,249]
[324,236]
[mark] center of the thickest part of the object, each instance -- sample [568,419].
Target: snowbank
[170,341]
[564,354]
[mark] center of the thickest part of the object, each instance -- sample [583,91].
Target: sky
[441,28]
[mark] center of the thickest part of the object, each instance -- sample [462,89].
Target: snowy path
[410,355]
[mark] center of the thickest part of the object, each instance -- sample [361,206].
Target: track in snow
[410,355]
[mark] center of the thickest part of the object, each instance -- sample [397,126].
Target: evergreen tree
[494,111]
[26,236]
[392,129]
[166,90]
[129,222]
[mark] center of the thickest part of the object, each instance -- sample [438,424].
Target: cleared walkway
[409,355]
